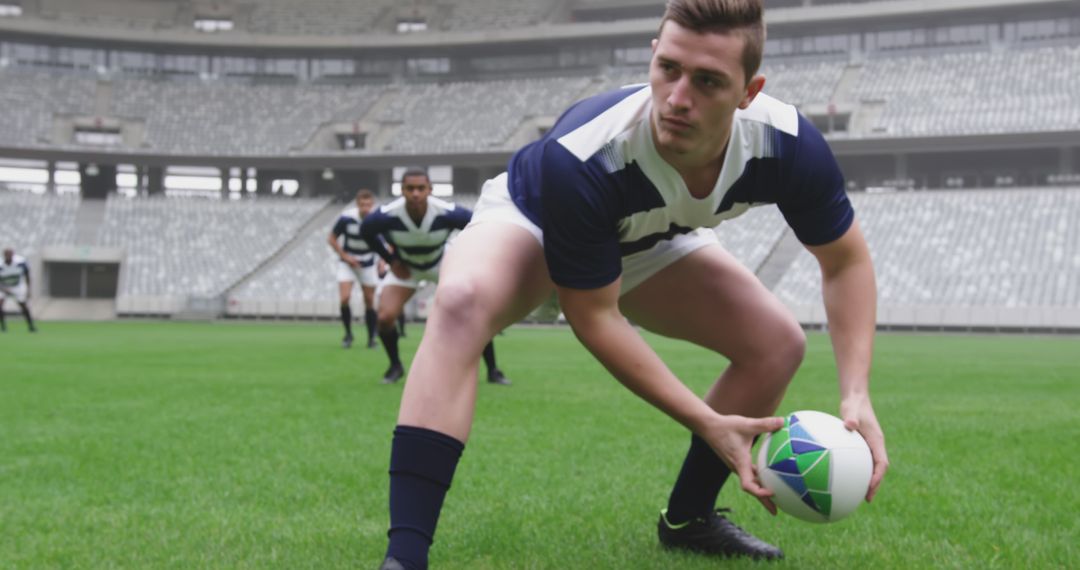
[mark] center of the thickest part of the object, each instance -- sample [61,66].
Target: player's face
[365,205]
[416,190]
[697,83]
[8,255]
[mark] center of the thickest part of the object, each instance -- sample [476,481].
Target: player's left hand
[858,414]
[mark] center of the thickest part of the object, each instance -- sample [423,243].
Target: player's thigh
[709,298]
[345,291]
[494,271]
[392,299]
[369,296]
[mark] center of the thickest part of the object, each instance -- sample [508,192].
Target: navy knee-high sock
[371,318]
[422,464]
[389,338]
[401,323]
[703,474]
[346,318]
[26,313]
[489,356]
[3,321]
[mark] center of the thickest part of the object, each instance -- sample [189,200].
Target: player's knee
[459,300]
[789,348]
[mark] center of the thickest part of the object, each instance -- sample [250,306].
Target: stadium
[170,170]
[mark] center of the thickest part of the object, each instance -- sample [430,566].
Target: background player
[356,263]
[606,208]
[417,227]
[15,285]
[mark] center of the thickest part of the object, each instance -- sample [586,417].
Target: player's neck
[699,170]
[416,213]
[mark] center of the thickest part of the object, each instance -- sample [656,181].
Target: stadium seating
[29,101]
[974,92]
[30,222]
[974,250]
[197,247]
[193,117]
[939,93]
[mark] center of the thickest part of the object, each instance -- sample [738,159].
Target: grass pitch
[172,445]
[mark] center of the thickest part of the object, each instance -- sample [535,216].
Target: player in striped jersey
[15,285]
[614,208]
[417,226]
[356,263]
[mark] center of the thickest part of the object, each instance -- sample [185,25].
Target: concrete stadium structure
[333,95]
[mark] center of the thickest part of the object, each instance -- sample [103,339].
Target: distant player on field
[356,263]
[15,285]
[417,227]
[614,208]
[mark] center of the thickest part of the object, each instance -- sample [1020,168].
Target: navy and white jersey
[419,246]
[600,192]
[14,274]
[348,225]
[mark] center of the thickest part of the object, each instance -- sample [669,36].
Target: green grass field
[173,445]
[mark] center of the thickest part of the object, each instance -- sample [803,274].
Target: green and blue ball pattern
[802,463]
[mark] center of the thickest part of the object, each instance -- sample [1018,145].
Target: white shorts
[16,293]
[496,205]
[367,276]
[413,282]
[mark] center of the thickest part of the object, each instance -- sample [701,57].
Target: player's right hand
[352,261]
[731,439]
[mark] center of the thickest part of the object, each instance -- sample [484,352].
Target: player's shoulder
[440,205]
[18,260]
[351,213]
[592,123]
[391,208]
[769,111]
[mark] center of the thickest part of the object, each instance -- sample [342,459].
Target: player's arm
[596,320]
[850,295]
[332,239]
[371,231]
[26,275]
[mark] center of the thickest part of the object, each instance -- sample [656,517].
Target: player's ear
[756,84]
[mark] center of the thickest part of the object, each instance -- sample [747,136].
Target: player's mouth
[675,124]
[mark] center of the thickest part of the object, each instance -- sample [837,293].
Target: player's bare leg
[392,301]
[710,299]
[344,293]
[371,318]
[492,276]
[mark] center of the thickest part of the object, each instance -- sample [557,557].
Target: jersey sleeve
[459,217]
[339,226]
[815,204]
[579,214]
[371,230]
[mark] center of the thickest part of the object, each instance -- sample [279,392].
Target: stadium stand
[30,222]
[965,92]
[980,250]
[974,92]
[30,100]
[195,247]
[445,117]
[193,117]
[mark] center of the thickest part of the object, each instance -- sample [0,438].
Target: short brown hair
[365,194]
[742,17]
